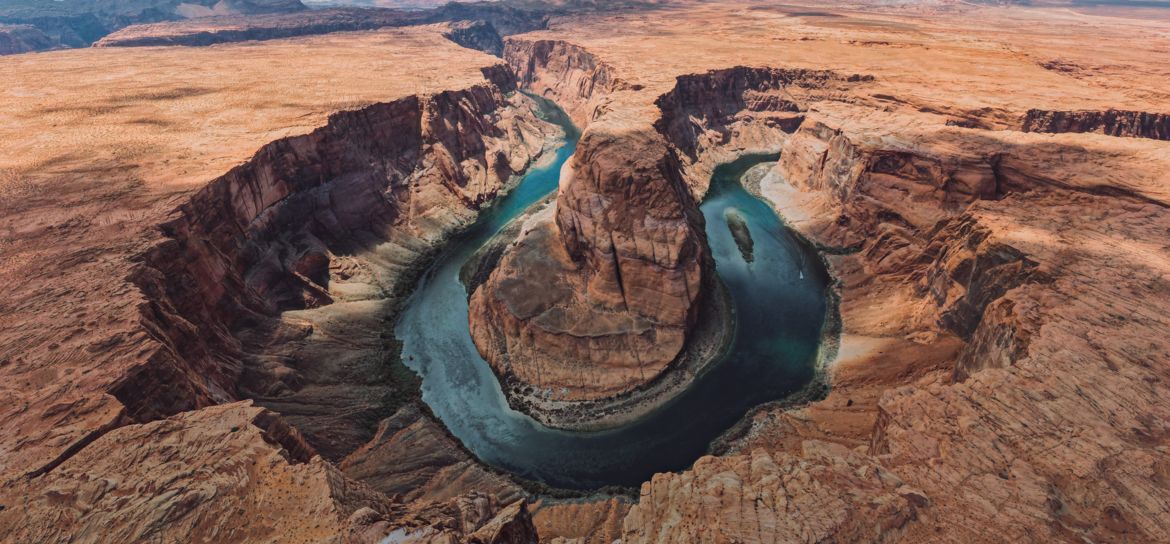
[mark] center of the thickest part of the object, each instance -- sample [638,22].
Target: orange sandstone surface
[993,195]
[200,253]
[111,323]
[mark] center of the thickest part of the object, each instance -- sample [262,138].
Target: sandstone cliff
[613,308]
[576,79]
[600,301]
[1134,124]
[380,186]
[715,117]
[335,221]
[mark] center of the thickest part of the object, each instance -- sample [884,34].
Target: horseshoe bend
[510,272]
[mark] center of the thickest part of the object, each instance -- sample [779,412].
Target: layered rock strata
[715,117]
[600,303]
[387,181]
[274,282]
[1133,124]
[578,81]
[975,263]
[978,246]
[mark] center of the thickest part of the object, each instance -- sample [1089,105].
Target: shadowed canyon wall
[242,296]
[603,299]
[976,253]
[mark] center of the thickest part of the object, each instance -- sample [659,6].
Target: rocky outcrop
[600,301]
[512,525]
[583,522]
[604,300]
[827,494]
[575,78]
[256,481]
[713,118]
[1130,124]
[437,468]
[204,475]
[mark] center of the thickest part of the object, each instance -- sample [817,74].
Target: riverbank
[858,361]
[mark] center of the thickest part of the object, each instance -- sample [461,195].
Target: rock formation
[329,221]
[1134,124]
[611,310]
[990,194]
[601,301]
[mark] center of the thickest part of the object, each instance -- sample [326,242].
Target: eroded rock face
[763,498]
[715,117]
[237,251]
[339,215]
[1133,124]
[414,459]
[600,300]
[201,476]
[577,79]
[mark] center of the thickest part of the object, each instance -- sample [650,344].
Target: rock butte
[1001,188]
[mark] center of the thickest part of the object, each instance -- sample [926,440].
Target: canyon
[210,255]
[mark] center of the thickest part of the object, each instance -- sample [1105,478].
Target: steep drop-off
[601,301]
[274,283]
[337,215]
[1131,124]
[974,267]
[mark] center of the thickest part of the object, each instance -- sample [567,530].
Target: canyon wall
[243,293]
[241,250]
[574,78]
[718,116]
[601,300]
[1132,124]
[1017,248]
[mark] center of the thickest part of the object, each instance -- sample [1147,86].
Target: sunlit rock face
[598,299]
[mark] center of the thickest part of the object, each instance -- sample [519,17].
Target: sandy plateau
[204,248]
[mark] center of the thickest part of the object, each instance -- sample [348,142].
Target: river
[780,306]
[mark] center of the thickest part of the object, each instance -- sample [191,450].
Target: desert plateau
[574,271]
